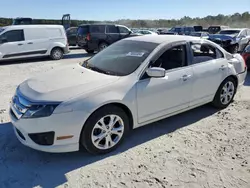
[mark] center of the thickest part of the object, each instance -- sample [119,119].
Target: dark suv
[96,37]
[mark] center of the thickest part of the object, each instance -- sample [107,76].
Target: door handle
[30,43]
[185,77]
[222,67]
[20,44]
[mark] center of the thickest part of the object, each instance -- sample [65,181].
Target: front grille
[12,114]
[20,134]
[45,139]
[19,106]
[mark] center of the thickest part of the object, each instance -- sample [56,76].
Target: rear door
[82,33]
[12,44]
[209,68]
[112,34]
[71,35]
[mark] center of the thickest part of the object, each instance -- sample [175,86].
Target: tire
[90,51]
[220,101]
[102,46]
[56,54]
[107,141]
[234,49]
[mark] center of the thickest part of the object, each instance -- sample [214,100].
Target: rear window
[230,32]
[97,29]
[82,30]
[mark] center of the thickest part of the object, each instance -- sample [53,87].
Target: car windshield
[195,34]
[230,32]
[121,58]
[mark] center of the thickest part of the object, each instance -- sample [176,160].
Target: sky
[120,9]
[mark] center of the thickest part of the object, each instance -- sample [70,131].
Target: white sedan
[133,82]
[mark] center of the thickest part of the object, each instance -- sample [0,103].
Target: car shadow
[247,81]
[21,166]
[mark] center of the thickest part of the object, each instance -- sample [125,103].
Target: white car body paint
[82,91]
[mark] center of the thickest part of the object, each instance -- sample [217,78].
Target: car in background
[213,29]
[203,35]
[146,32]
[233,40]
[71,35]
[133,82]
[246,55]
[180,30]
[96,37]
[25,41]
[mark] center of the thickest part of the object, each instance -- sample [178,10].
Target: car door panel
[158,97]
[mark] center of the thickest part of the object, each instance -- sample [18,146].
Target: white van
[23,41]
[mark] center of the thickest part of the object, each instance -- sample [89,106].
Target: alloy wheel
[107,132]
[227,93]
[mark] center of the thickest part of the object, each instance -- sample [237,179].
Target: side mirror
[156,72]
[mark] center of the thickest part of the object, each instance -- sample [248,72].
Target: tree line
[234,20]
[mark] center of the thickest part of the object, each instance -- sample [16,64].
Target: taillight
[88,37]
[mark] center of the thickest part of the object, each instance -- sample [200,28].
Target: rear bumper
[241,78]
[66,50]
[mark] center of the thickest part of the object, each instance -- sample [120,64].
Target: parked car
[246,55]
[131,83]
[96,37]
[233,40]
[71,35]
[203,35]
[180,30]
[146,32]
[216,29]
[24,41]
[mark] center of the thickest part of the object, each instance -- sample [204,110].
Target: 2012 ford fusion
[131,83]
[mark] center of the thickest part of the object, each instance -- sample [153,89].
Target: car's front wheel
[225,93]
[104,130]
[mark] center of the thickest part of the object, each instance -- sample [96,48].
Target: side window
[97,29]
[123,30]
[204,52]
[111,29]
[13,36]
[174,57]
[243,33]
[248,32]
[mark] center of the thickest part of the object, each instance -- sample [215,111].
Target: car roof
[32,26]
[162,38]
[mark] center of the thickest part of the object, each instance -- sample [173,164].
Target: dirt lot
[201,148]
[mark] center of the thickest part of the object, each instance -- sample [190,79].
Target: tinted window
[230,32]
[204,52]
[97,29]
[83,30]
[172,58]
[1,30]
[71,31]
[123,30]
[111,29]
[13,36]
[121,58]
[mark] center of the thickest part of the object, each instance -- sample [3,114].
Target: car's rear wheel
[104,130]
[56,54]
[225,93]
[102,46]
[90,51]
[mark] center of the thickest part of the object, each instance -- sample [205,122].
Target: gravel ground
[200,148]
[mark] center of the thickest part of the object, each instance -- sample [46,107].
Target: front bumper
[29,131]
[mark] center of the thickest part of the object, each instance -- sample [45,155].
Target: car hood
[64,84]
[221,37]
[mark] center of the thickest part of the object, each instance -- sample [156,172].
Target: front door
[12,44]
[209,68]
[157,97]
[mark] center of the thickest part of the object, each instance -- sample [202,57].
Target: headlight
[38,111]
